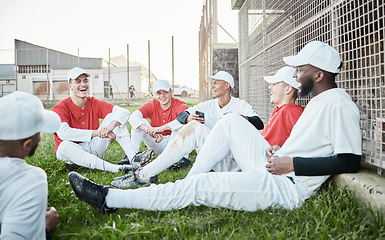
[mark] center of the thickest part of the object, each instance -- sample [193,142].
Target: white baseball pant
[191,136]
[137,136]
[90,154]
[252,189]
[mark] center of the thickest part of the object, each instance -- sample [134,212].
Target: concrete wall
[225,58]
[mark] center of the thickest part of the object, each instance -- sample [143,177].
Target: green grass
[332,213]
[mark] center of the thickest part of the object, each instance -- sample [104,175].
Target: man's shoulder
[177,102]
[19,170]
[62,104]
[239,101]
[292,106]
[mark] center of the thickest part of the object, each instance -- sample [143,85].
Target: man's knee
[64,148]
[193,129]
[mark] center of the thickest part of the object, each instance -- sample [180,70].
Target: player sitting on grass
[162,111]
[23,188]
[80,140]
[325,140]
[193,135]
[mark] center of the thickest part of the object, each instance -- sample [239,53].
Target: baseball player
[80,140]
[193,135]
[284,92]
[23,188]
[325,140]
[162,112]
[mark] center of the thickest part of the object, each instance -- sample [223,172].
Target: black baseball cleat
[90,192]
[143,158]
[129,167]
[132,180]
[183,163]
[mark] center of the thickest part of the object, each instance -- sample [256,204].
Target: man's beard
[306,88]
[33,150]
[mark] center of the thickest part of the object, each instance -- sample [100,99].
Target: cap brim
[51,122]
[271,79]
[295,61]
[209,78]
[164,89]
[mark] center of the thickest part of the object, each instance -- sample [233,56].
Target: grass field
[331,214]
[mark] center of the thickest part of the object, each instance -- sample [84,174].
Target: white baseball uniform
[180,147]
[23,200]
[81,148]
[328,126]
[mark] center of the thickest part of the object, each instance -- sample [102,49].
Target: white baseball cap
[222,75]
[76,72]
[317,54]
[162,85]
[22,116]
[284,74]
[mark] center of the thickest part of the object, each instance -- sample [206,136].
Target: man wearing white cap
[284,92]
[81,140]
[325,140]
[193,134]
[23,188]
[162,111]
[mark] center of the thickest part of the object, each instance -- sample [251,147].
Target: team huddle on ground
[242,163]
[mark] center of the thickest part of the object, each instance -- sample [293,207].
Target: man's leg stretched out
[248,191]
[190,137]
[232,134]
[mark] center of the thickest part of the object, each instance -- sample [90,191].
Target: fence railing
[271,30]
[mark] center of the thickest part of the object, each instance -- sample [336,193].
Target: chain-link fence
[271,30]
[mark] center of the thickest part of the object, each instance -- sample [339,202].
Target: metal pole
[149,70]
[215,21]
[172,42]
[128,72]
[78,58]
[16,70]
[109,71]
[48,92]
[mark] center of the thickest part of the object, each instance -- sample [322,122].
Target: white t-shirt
[213,112]
[23,200]
[329,125]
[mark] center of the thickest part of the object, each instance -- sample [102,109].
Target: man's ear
[27,144]
[318,76]
[228,86]
[288,89]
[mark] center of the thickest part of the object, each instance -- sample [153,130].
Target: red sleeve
[61,109]
[103,107]
[180,105]
[148,109]
[292,115]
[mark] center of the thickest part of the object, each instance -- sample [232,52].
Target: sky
[94,26]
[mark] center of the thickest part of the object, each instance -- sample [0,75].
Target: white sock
[106,166]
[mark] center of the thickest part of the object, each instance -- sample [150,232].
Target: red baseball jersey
[160,117]
[87,118]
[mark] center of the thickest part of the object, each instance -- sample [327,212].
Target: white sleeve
[175,125]
[136,119]
[66,133]
[248,110]
[120,114]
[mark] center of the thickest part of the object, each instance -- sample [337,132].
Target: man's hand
[51,219]
[158,137]
[111,136]
[280,165]
[105,131]
[271,151]
[153,130]
[196,118]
